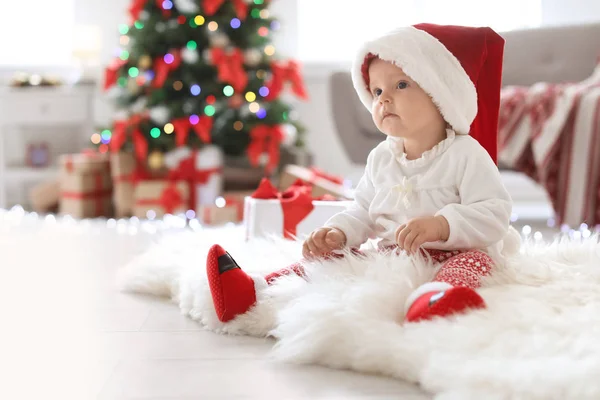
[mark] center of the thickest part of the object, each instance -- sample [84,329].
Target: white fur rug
[538,339]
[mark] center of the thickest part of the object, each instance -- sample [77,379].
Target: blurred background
[100,98]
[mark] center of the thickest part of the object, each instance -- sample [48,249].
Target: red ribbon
[186,171]
[230,68]
[136,8]
[296,203]
[265,138]
[169,199]
[283,72]
[202,129]
[317,173]
[119,136]
[212,6]
[162,69]
[99,194]
[111,72]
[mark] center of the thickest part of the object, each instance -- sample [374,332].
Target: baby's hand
[322,241]
[418,231]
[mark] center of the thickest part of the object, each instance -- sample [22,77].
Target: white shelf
[24,173]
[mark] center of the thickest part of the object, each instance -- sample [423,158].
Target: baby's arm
[355,221]
[483,216]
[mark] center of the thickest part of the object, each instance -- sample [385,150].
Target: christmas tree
[197,72]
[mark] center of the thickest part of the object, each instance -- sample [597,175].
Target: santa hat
[459,67]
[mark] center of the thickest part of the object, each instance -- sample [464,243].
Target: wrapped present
[322,183]
[85,185]
[122,167]
[44,196]
[292,214]
[228,208]
[202,170]
[161,196]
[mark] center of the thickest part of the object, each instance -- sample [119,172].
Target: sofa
[548,54]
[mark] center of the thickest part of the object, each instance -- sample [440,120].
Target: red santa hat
[459,67]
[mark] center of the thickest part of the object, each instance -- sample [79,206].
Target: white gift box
[265,217]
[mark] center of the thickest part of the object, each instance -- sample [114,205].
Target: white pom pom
[252,57]
[159,114]
[219,39]
[290,135]
[186,6]
[190,56]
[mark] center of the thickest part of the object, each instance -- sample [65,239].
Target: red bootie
[444,303]
[232,289]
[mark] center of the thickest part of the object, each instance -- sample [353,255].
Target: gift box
[161,196]
[228,208]
[321,182]
[122,167]
[44,196]
[201,169]
[292,214]
[85,185]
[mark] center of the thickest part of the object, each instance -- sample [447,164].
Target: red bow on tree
[162,69]
[296,203]
[230,68]
[212,6]
[283,72]
[136,8]
[111,72]
[265,139]
[182,128]
[119,136]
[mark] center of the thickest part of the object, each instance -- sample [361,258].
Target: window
[331,30]
[36,33]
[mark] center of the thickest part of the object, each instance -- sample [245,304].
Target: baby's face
[400,107]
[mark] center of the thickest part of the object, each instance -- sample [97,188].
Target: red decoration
[119,136]
[212,6]
[296,203]
[136,8]
[111,72]
[202,129]
[165,13]
[230,67]
[162,69]
[283,72]
[265,139]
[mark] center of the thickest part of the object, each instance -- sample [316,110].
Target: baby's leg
[452,290]
[465,269]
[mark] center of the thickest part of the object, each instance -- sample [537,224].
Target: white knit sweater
[456,179]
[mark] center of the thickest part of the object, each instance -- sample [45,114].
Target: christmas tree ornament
[159,115]
[252,57]
[190,56]
[156,160]
[290,135]
[139,105]
[219,39]
[160,27]
[186,6]
[145,62]
[236,101]
[133,87]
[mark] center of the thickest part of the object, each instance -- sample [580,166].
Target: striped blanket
[551,132]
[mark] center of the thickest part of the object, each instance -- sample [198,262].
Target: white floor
[67,334]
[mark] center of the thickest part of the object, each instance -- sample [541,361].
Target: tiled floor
[67,334]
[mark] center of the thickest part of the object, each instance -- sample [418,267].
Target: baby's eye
[402,85]
[376,92]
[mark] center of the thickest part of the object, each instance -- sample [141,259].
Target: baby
[432,187]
